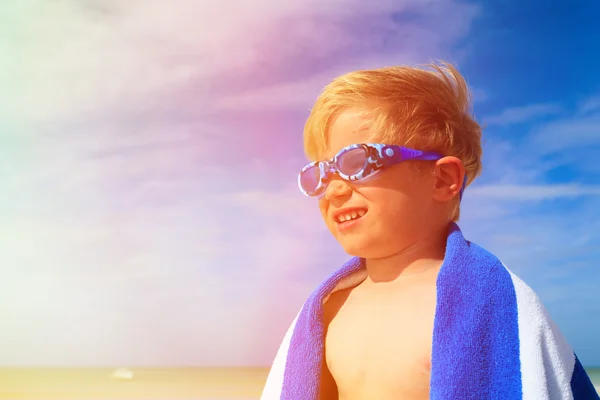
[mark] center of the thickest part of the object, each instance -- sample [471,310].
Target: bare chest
[380,346]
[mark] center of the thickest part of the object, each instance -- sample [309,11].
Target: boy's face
[396,205]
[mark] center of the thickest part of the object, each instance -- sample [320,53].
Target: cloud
[522,114]
[536,208]
[298,95]
[480,95]
[287,235]
[127,205]
[288,206]
[567,140]
[108,264]
[589,105]
[75,59]
[566,135]
[519,193]
[537,240]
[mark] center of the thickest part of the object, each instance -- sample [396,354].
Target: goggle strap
[464,186]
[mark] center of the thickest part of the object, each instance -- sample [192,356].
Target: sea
[142,383]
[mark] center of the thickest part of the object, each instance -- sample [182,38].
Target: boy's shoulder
[469,264]
[334,303]
[480,273]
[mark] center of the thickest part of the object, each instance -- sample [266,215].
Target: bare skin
[379,336]
[379,333]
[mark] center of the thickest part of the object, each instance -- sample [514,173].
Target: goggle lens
[351,162]
[309,179]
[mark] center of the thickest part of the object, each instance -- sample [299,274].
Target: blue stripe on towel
[581,385]
[476,337]
[303,367]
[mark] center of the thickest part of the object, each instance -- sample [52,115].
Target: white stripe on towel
[547,359]
[274,384]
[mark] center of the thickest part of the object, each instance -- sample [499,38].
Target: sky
[149,153]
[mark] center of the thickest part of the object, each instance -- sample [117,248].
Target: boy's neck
[424,255]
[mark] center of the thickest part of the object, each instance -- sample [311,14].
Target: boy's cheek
[328,222]
[323,208]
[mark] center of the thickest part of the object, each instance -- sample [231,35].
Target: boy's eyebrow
[362,127]
[365,124]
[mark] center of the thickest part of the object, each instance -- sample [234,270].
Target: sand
[148,383]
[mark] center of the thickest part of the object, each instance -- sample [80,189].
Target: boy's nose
[337,187]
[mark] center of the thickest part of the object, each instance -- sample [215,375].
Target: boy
[419,312]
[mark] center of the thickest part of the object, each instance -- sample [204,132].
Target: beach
[147,383]
[143,383]
[594,374]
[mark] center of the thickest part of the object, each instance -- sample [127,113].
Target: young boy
[419,312]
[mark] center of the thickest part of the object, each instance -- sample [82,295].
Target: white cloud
[67,58]
[589,105]
[536,241]
[109,271]
[565,135]
[568,139]
[520,114]
[113,219]
[293,95]
[301,94]
[533,192]
[479,95]
[288,206]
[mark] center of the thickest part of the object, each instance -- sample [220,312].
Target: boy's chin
[359,247]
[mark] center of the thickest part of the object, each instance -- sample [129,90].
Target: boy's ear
[449,175]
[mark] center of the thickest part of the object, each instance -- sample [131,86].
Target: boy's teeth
[351,215]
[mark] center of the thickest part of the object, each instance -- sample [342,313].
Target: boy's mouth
[348,214]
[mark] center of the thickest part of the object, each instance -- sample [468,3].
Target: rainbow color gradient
[149,213]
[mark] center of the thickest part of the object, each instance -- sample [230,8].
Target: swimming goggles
[357,163]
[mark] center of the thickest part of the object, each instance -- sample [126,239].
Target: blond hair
[426,109]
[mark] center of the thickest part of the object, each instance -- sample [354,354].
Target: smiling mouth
[350,216]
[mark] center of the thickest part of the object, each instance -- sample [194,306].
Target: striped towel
[492,337]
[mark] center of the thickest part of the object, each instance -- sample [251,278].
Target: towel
[492,337]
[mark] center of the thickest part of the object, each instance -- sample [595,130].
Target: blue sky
[534,62]
[148,165]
